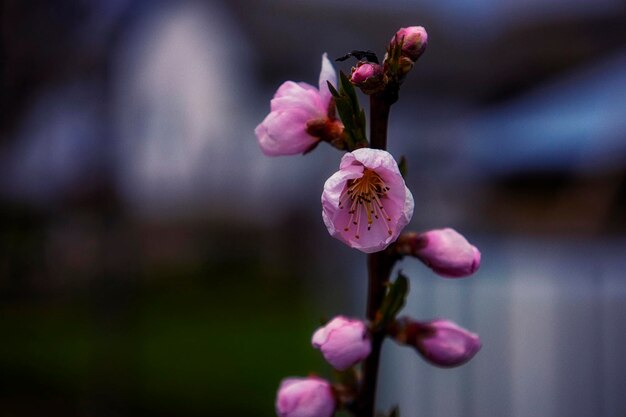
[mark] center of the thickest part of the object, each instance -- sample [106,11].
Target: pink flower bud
[366,204]
[445,251]
[305,397]
[294,108]
[414,40]
[343,342]
[440,342]
[370,77]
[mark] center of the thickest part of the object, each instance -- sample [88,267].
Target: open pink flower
[299,116]
[343,342]
[366,204]
[305,397]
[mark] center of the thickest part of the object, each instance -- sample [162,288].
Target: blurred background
[154,263]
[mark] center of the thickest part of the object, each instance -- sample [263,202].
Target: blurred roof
[575,123]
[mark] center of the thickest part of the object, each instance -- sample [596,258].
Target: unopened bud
[405,65]
[305,397]
[414,40]
[343,342]
[445,251]
[368,76]
[440,342]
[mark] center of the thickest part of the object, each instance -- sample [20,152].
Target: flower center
[365,194]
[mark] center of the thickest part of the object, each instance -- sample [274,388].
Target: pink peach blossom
[445,251]
[441,342]
[414,42]
[294,107]
[305,397]
[343,342]
[448,344]
[366,204]
[370,77]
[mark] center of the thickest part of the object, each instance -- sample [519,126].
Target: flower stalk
[379,265]
[380,107]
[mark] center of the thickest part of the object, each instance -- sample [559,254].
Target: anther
[365,194]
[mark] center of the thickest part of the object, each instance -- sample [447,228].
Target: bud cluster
[406,46]
[343,342]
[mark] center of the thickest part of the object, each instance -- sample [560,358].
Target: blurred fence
[552,318]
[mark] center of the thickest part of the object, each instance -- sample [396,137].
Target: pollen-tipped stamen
[365,193]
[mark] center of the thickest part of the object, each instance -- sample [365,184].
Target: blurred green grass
[191,339]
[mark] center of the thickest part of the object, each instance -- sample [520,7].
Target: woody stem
[379,266]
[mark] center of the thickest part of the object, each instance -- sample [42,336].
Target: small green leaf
[402,166]
[348,88]
[348,377]
[362,120]
[394,301]
[333,90]
[394,412]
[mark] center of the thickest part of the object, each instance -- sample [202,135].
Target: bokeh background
[154,263]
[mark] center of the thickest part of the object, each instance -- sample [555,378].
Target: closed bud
[440,342]
[305,397]
[368,76]
[405,65]
[343,342]
[414,40]
[445,251]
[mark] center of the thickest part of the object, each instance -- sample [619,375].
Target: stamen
[365,194]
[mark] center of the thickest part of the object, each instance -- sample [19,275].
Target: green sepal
[333,90]
[394,412]
[402,166]
[394,301]
[394,53]
[347,378]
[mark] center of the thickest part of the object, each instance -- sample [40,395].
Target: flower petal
[282,133]
[305,397]
[327,73]
[291,95]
